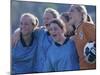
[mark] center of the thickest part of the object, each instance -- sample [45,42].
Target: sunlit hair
[59,22]
[81,9]
[54,12]
[35,21]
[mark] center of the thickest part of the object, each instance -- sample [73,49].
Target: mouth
[46,25]
[54,35]
[23,30]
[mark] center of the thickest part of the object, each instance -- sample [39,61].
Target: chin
[55,39]
[24,34]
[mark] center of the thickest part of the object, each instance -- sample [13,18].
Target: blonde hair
[81,9]
[54,12]
[34,19]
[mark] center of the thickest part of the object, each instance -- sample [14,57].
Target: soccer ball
[90,52]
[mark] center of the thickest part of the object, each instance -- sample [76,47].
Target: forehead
[72,9]
[54,25]
[48,14]
[26,19]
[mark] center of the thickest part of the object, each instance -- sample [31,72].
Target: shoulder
[39,31]
[71,43]
[87,25]
[71,40]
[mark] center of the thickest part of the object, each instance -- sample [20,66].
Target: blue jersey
[44,42]
[24,57]
[62,57]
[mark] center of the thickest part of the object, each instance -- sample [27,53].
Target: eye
[26,23]
[55,28]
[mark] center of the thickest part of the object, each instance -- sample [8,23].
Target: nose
[53,31]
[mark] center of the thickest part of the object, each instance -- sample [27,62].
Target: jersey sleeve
[73,62]
[15,37]
[38,33]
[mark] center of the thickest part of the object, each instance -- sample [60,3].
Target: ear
[33,25]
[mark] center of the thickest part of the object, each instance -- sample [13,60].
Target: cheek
[28,28]
[73,14]
[59,31]
[50,31]
[77,14]
[31,28]
[46,21]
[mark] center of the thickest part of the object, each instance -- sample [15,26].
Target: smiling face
[26,25]
[47,17]
[56,31]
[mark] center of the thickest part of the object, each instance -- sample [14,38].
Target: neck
[27,39]
[61,39]
[78,23]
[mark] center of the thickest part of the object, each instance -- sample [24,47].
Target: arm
[15,37]
[90,31]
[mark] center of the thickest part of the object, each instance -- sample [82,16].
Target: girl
[85,32]
[61,55]
[23,53]
[44,37]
